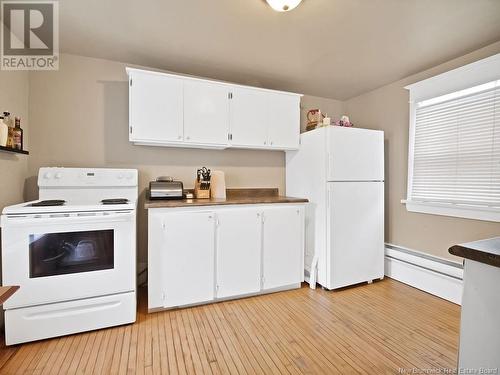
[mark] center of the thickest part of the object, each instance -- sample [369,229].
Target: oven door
[62,257]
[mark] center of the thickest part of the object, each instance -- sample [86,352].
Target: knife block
[199,193]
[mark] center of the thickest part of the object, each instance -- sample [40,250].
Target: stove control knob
[57,175]
[47,175]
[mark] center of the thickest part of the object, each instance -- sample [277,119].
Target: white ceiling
[331,48]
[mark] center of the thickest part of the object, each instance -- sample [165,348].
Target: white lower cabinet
[197,255]
[239,247]
[283,246]
[187,260]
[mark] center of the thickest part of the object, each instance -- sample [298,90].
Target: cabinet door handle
[188,137]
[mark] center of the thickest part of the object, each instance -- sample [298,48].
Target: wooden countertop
[6,292]
[233,196]
[483,251]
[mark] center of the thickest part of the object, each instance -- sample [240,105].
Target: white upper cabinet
[248,117]
[264,119]
[283,120]
[178,111]
[155,108]
[206,112]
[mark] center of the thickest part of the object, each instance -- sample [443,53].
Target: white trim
[434,275]
[208,146]
[476,73]
[411,148]
[464,77]
[455,210]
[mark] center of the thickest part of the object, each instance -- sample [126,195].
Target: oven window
[71,252]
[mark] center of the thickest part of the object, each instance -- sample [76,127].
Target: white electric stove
[73,254]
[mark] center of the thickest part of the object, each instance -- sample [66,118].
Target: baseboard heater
[438,276]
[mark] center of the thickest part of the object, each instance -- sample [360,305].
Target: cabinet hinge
[163,297]
[229,136]
[130,81]
[230,95]
[217,288]
[130,129]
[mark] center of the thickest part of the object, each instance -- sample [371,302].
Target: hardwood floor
[371,329]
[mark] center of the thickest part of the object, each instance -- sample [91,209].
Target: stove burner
[47,203]
[115,201]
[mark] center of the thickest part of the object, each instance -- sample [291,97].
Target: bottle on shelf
[18,134]
[8,121]
[4,132]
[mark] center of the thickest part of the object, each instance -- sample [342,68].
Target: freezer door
[356,235]
[355,154]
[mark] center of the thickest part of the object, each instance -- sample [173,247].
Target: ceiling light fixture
[283,5]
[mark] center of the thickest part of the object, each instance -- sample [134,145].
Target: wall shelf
[8,149]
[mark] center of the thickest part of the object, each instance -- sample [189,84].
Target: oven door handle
[50,219]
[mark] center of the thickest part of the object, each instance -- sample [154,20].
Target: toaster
[166,188]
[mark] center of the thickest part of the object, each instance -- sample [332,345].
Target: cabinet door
[155,108]
[238,252]
[206,112]
[248,122]
[283,120]
[283,249]
[188,258]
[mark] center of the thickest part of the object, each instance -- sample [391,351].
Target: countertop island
[480,318]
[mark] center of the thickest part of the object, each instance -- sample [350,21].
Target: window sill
[454,210]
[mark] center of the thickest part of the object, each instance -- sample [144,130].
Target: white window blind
[456,149]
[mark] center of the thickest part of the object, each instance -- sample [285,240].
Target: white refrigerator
[341,171]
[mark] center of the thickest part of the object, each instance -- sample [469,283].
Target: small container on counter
[218,186]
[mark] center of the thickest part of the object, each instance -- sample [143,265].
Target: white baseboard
[437,276]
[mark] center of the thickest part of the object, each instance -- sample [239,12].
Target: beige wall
[332,108]
[80,119]
[13,167]
[387,108]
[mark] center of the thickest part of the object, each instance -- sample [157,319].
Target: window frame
[477,73]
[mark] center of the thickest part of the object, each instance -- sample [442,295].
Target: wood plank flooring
[370,329]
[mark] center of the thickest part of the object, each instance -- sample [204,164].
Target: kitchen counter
[479,320]
[233,196]
[208,250]
[483,251]
[6,292]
